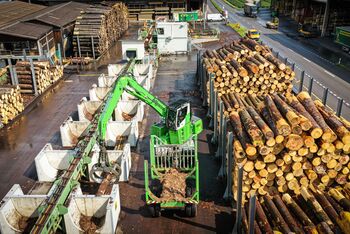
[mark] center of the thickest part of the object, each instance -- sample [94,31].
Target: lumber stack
[287,142]
[45,75]
[246,67]
[312,211]
[11,103]
[102,23]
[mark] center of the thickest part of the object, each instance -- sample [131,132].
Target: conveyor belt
[53,208]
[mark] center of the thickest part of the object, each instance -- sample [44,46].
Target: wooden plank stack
[102,23]
[45,75]
[246,67]
[312,211]
[11,103]
[287,142]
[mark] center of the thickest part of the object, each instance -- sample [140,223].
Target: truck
[250,9]
[343,37]
[215,17]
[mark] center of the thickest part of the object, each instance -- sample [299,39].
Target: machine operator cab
[179,126]
[177,114]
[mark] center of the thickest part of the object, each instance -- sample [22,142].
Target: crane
[177,126]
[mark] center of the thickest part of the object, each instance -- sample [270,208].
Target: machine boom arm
[126,82]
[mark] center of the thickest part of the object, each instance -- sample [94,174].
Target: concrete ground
[22,141]
[176,80]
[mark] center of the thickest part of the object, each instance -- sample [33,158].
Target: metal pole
[221,127]
[286,60]
[238,224]
[277,53]
[47,44]
[93,47]
[24,55]
[293,66]
[33,76]
[251,217]
[11,71]
[222,171]
[15,78]
[197,71]
[302,75]
[211,96]
[325,96]
[228,191]
[339,106]
[60,53]
[214,120]
[310,85]
[79,51]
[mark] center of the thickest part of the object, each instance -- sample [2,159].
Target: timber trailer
[178,127]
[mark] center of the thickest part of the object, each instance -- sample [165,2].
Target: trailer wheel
[188,210]
[194,210]
[191,210]
[154,210]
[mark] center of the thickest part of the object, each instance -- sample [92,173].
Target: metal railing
[305,82]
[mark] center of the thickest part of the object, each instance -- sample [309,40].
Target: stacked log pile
[101,25]
[287,142]
[246,67]
[45,75]
[11,103]
[312,211]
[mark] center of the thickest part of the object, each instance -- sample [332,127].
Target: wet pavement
[22,140]
[176,80]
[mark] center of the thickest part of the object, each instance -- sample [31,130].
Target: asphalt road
[326,73]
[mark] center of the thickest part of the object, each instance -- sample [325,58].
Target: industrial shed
[62,20]
[38,29]
[16,35]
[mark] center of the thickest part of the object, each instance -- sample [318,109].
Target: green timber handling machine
[178,128]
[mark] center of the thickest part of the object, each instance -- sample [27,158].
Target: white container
[134,108]
[106,81]
[105,207]
[86,109]
[49,161]
[98,93]
[71,131]
[16,207]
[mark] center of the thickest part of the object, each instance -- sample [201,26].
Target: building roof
[25,30]
[15,10]
[58,15]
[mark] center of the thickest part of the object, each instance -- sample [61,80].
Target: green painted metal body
[188,16]
[53,208]
[185,159]
[343,36]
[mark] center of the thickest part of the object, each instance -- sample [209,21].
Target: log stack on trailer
[11,103]
[44,74]
[97,28]
[312,211]
[247,67]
